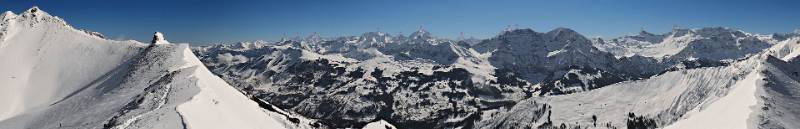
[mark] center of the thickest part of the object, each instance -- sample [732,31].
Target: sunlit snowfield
[57,75]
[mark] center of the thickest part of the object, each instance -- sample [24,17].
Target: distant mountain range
[55,76]
[421,81]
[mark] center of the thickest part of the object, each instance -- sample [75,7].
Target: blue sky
[207,21]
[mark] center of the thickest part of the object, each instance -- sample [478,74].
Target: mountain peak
[375,37]
[563,30]
[34,12]
[518,33]
[158,38]
[645,33]
[33,9]
[36,15]
[314,37]
[678,32]
[6,14]
[370,34]
[562,33]
[420,34]
[719,32]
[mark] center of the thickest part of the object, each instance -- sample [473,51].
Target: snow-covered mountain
[751,93]
[411,82]
[520,78]
[713,44]
[55,76]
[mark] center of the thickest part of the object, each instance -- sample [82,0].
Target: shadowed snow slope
[758,92]
[729,112]
[54,76]
[660,100]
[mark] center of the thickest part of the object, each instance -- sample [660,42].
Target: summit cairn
[158,38]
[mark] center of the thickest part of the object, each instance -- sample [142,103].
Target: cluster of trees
[640,122]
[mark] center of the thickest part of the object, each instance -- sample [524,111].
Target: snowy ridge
[713,43]
[53,73]
[787,49]
[218,105]
[777,99]
[731,111]
[749,93]
[662,98]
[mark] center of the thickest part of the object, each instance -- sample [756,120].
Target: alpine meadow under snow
[55,76]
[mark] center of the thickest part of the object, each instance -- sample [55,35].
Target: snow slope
[52,74]
[730,112]
[35,71]
[757,92]
[663,99]
[382,124]
[758,101]
[778,96]
[218,105]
